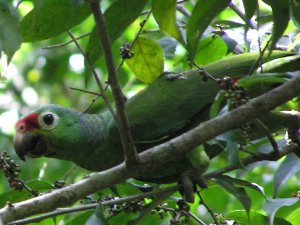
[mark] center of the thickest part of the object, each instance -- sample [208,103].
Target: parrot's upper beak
[24,143]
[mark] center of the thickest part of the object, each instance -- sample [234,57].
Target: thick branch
[86,207]
[155,156]
[129,149]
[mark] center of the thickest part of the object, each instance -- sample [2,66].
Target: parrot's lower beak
[26,143]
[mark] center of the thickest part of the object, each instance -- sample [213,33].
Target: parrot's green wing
[167,106]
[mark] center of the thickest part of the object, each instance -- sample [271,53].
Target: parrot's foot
[188,182]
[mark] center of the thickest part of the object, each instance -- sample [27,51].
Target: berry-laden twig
[11,170]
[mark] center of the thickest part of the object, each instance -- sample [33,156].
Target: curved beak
[24,142]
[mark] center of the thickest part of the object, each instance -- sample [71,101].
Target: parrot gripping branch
[160,154]
[130,153]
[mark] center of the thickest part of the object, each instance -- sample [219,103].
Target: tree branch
[86,207]
[130,153]
[156,156]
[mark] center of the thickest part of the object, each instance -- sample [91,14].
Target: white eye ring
[48,120]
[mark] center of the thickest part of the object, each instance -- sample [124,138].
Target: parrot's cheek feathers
[29,144]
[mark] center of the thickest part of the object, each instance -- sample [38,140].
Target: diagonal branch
[157,155]
[129,148]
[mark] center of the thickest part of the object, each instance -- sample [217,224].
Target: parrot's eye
[48,120]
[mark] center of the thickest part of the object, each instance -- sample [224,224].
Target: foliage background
[37,75]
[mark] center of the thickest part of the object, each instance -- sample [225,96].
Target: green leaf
[50,18]
[148,62]
[250,82]
[238,192]
[203,13]
[294,216]
[272,206]
[243,183]
[164,12]
[295,9]
[281,18]
[217,104]
[250,7]
[79,219]
[284,64]
[10,38]
[233,154]
[117,18]
[288,168]
[240,217]
[207,46]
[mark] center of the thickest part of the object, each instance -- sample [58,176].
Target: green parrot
[163,110]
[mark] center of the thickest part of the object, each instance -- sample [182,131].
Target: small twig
[195,218]
[142,24]
[85,91]
[97,95]
[18,4]
[268,133]
[183,11]
[29,189]
[261,53]
[272,156]
[241,15]
[208,209]
[130,153]
[204,73]
[66,43]
[93,71]
[86,207]
[241,148]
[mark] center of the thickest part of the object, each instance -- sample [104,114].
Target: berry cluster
[236,94]
[126,52]
[11,171]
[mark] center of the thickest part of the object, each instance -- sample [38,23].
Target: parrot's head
[46,132]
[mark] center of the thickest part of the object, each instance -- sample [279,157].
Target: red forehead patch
[28,123]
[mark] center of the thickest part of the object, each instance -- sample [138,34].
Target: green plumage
[161,111]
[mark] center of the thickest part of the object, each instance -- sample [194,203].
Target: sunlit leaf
[288,168]
[294,216]
[50,18]
[272,206]
[203,13]
[164,12]
[148,62]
